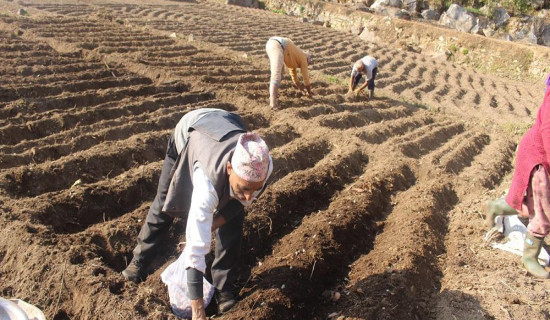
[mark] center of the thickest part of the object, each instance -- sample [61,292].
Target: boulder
[500,16]
[482,23]
[386,3]
[386,11]
[458,18]
[403,14]
[412,5]
[22,12]
[361,6]
[430,14]
[244,3]
[537,27]
[488,32]
[545,36]
[525,36]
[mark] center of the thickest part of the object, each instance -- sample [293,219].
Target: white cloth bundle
[515,231]
[175,277]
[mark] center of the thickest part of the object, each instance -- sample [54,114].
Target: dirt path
[377,200]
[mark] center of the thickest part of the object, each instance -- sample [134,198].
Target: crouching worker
[367,66]
[283,50]
[529,193]
[213,167]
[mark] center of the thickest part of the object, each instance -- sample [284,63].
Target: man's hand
[218,221]
[197,309]
[309,94]
[299,86]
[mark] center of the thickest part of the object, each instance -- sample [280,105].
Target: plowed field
[379,201]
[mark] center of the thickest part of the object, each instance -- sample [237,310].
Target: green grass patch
[280,11]
[333,79]
[515,129]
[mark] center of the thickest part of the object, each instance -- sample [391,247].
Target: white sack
[175,277]
[514,231]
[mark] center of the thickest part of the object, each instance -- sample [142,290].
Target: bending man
[367,66]
[213,168]
[283,50]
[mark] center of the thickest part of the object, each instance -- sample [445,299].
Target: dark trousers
[359,75]
[157,223]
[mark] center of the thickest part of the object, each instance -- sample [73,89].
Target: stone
[244,3]
[531,37]
[430,14]
[191,38]
[525,37]
[482,23]
[500,16]
[403,14]
[387,3]
[488,32]
[173,35]
[386,11]
[361,6]
[411,5]
[22,12]
[544,38]
[457,18]
[537,27]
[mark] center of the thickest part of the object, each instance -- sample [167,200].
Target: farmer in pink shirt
[529,194]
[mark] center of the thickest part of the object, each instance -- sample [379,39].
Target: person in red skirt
[529,194]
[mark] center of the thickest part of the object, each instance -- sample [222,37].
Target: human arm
[305,77]
[352,79]
[545,125]
[219,221]
[204,201]
[295,80]
[363,86]
[197,309]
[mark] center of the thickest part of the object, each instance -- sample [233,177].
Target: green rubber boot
[531,250]
[498,207]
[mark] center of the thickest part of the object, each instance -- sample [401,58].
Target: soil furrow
[315,249]
[99,162]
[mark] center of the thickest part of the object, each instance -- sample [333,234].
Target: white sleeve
[204,201]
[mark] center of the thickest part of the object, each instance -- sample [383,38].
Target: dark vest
[211,143]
